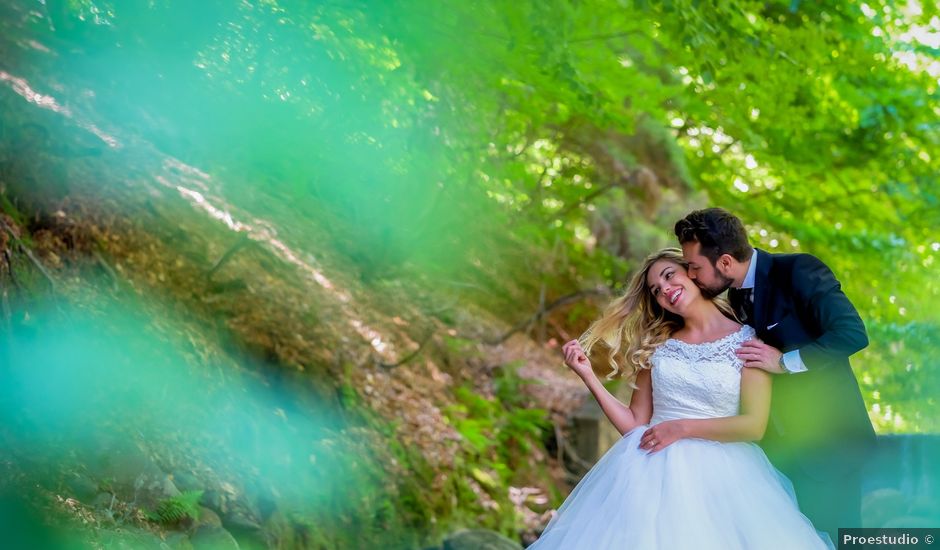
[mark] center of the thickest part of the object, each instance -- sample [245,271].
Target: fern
[175,509]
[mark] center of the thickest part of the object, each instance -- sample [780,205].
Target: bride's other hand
[662,435]
[576,359]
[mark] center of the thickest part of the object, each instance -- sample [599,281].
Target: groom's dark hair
[718,231]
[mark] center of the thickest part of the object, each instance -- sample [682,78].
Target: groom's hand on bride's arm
[758,355]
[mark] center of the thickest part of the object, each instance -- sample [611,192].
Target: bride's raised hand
[576,359]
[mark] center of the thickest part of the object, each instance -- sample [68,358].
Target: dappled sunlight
[264,233]
[46,101]
[21,87]
[182,177]
[196,198]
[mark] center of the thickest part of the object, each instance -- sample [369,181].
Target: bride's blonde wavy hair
[634,325]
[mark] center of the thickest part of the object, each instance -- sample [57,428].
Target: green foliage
[495,425]
[509,386]
[461,347]
[498,435]
[905,356]
[10,209]
[561,150]
[175,509]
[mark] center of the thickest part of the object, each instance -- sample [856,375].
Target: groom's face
[701,270]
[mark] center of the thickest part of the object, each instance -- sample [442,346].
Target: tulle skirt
[695,494]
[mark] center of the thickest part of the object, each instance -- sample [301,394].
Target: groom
[819,432]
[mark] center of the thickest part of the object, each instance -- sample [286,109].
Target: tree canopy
[539,148]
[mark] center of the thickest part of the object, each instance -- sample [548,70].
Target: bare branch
[538,315]
[242,241]
[411,355]
[589,197]
[605,36]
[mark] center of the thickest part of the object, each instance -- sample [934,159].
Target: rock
[591,434]
[208,537]
[879,506]
[281,531]
[133,476]
[82,487]
[266,507]
[103,501]
[207,517]
[910,522]
[130,538]
[185,481]
[166,486]
[924,506]
[479,539]
[212,499]
[237,520]
[122,462]
[178,541]
[263,498]
[256,541]
[246,530]
[153,488]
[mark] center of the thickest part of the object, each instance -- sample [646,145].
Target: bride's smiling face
[671,287]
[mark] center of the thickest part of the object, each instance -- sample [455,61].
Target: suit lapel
[761,290]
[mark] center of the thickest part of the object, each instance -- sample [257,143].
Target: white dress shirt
[791,359]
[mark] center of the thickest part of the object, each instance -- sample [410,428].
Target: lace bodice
[697,380]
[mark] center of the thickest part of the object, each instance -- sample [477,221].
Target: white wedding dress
[695,494]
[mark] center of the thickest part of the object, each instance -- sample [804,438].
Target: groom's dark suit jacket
[817,415]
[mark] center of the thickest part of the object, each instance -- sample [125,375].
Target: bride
[686,473]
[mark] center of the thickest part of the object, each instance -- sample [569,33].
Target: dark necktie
[742,301]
